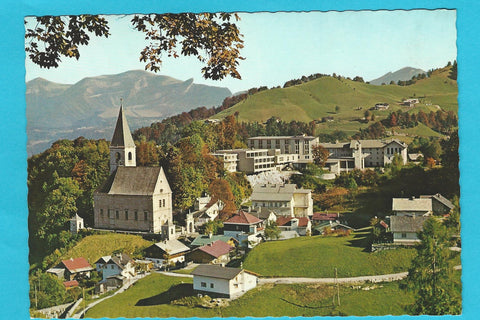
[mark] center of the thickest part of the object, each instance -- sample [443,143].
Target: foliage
[431,274]
[210,37]
[331,198]
[333,137]
[309,178]
[214,227]
[46,290]
[241,188]
[346,180]
[220,189]
[450,151]
[320,155]
[272,231]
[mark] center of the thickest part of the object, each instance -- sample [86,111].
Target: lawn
[319,256]
[150,297]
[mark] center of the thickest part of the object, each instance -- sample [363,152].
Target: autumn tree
[320,155]
[220,189]
[432,275]
[213,38]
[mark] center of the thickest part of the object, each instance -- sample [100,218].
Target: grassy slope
[96,246]
[318,98]
[149,298]
[320,255]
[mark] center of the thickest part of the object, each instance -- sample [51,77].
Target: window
[203,284]
[117,215]
[145,215]
[404,235]
[129,156]
[101,212]
[126,214]
[136,215]
[163,201]
[160,203]
[111,266]
[211,285]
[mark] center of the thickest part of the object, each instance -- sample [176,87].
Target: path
[376,278]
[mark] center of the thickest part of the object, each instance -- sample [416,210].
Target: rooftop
[243,218]
[77,264]
[215,271]
[287,221]
[216,249]
[411,204]
[172,246]
[407,224]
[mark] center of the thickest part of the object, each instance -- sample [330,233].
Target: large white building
[361,154]
[133,198]
[298,145]
[283,199]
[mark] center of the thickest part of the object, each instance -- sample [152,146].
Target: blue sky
[284,45]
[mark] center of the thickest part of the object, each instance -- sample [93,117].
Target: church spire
[122,147]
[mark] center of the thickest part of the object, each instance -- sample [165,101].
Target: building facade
[302,146]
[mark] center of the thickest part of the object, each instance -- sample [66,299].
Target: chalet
[410,102]
[120,264]
[381,106]
[244,227]
[411,206]
[218,281]
[132,198]
[71,269]
[217,252]
[301,225]
[405,229]
[324,216]
[206,209]
[166,253]
[283,199]
[440,204]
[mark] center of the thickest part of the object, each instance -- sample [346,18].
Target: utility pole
[338,289]
[35,290]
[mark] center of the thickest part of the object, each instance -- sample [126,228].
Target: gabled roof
[103,259]
[120,260]
[202,240]
[134,181]
[411,204]
[440,199]
[243,218]
[407,224]
[216,249]
[214,271]
[273,192]
[71,283]
[77,265]
[287,221]
[172,246]
[323,216]
[122,136]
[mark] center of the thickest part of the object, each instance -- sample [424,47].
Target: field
[150,297]
[95,246]
[320,255]
[319,98]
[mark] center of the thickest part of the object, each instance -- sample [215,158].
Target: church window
[136,215]
[163,201]
[160,203]
[145,215]
[101,212]
[117,214]
[129,156]
[126,214]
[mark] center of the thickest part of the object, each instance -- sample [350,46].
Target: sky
[286,45]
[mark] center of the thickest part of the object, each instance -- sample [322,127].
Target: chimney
[210,235]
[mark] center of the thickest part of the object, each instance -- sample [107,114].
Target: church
[133,198]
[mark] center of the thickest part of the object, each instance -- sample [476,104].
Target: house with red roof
[244,227]
[217,252]
[325,216]
[301,225]
[71,269]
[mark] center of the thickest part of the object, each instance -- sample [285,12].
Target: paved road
[377,278]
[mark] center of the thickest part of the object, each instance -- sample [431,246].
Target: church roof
[122,136]
[134,181]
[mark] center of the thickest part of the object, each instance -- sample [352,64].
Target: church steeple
[122,147]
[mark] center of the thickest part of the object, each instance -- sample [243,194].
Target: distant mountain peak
[403,74]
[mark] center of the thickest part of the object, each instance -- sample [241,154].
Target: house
[415,157]
[381,106]
[203,240]
[301,225]
[71,269]
[301,146]
[412,206]
[218,281]
[245,228]
[440,205]
[132,198]
[324,216]
[283,199]
[206,209]
[265,214]
[410,102]
[361,154]
[405,229]
[120,264]
[76,224]
[217,252]
[166,253]
[71,284]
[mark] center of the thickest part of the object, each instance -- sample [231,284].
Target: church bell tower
[122,147]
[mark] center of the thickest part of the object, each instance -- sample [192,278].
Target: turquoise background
[13,188]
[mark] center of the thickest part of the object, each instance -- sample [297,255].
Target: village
[138,200]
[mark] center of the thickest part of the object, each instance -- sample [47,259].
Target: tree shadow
[305,306]
[173,293]
[360,240]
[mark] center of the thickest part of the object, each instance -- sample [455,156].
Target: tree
[431,275]
[272,231]
[320,155]
[213,226]
[210,37]
[337,109]
[46,291]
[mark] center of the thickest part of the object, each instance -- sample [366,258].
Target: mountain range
[403,74]
[89,107]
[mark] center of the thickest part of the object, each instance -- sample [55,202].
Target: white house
[120,264]
[166,253]
[283,199]
[301,225]
[405,229]
[219,281]
[412,206]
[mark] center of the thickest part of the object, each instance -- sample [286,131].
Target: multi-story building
[133,198]
[283,199]
[299,145]
[251,161]
[361,154]
[230,160]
